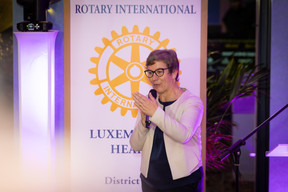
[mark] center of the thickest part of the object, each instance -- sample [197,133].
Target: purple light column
[36,77]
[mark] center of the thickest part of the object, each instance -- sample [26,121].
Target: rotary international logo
[120,66]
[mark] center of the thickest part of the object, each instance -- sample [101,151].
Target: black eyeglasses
[159,72]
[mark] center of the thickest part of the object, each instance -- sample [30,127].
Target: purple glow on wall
[280,151]
[36,75]
[244,105]
[278,166]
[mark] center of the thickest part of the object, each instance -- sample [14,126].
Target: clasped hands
[147,106]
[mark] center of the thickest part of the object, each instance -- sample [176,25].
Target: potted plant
[235,81]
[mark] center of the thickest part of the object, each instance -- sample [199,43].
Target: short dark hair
[169,57]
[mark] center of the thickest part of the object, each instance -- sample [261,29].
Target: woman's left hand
[146,105]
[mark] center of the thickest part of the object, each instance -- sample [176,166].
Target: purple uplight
[36,58]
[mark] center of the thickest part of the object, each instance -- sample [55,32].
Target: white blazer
[180,123]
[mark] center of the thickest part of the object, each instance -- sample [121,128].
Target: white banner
[110,41]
